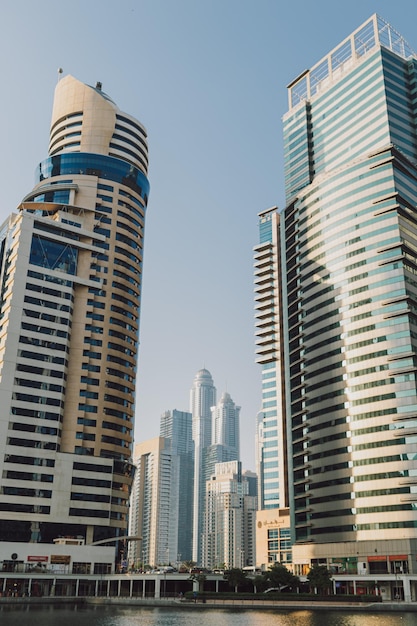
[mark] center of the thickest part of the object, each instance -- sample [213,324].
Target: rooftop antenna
[60,70]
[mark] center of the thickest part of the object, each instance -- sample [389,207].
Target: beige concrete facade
[71,272]
[149,509]
[273,538]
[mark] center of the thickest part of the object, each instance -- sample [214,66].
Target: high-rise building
[176,428]
[271,427]
[202,398]
[225,424]
[161,510]
[70,275]
[342,319]
[223,449]
[150,516]
[271,441]
[229,540]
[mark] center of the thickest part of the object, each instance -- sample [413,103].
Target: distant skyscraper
[224,447]
[70,275]
[229,539]
[161,511]
[149,516]
[337,334]
[176,428]
[225,424]
[202,398]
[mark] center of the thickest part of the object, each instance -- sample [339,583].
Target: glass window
[53,255]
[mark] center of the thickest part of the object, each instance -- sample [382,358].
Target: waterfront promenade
[47,587]
[257,603]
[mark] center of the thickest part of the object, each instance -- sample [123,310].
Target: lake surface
[23,615]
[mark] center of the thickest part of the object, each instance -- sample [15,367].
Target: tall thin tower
[70,284]
[202,398]
[225,424]
[176,428]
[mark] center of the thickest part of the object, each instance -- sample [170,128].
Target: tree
[235,577]
[260,583]
[279,576]
[319,578]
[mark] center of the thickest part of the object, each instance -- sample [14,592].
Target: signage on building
[60,559]
[38,559]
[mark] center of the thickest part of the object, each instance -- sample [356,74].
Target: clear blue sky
[208,80]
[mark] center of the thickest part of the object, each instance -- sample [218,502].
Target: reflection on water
[19,615]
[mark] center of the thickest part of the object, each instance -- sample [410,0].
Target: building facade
[202,398]
[149,517]
[161,511]
[271,425]
[271,441]
[225,442]
[70,276]
[176,428]
[225,424]
[349,278]
[273,539]
[229,539]
[346,244]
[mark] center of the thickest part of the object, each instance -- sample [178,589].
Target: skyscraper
[346,324]
[202,398]
[225,424]
[70,272]
[271,443]
[176,428]
[229,539]
[150,515]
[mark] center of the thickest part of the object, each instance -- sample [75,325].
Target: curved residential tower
[70,276]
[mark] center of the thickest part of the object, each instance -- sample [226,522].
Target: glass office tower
[176,428]
[70,276]
[347,323]
[349,276]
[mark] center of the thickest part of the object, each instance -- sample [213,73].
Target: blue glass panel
[95,165]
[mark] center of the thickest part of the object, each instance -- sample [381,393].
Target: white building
[225,424]
[202,398]
[149,516]
[66,555]
[229,538]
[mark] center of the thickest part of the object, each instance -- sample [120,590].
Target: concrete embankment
[267,605]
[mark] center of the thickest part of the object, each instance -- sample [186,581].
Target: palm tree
[189,565]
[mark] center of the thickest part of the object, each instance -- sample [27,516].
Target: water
[19,615]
